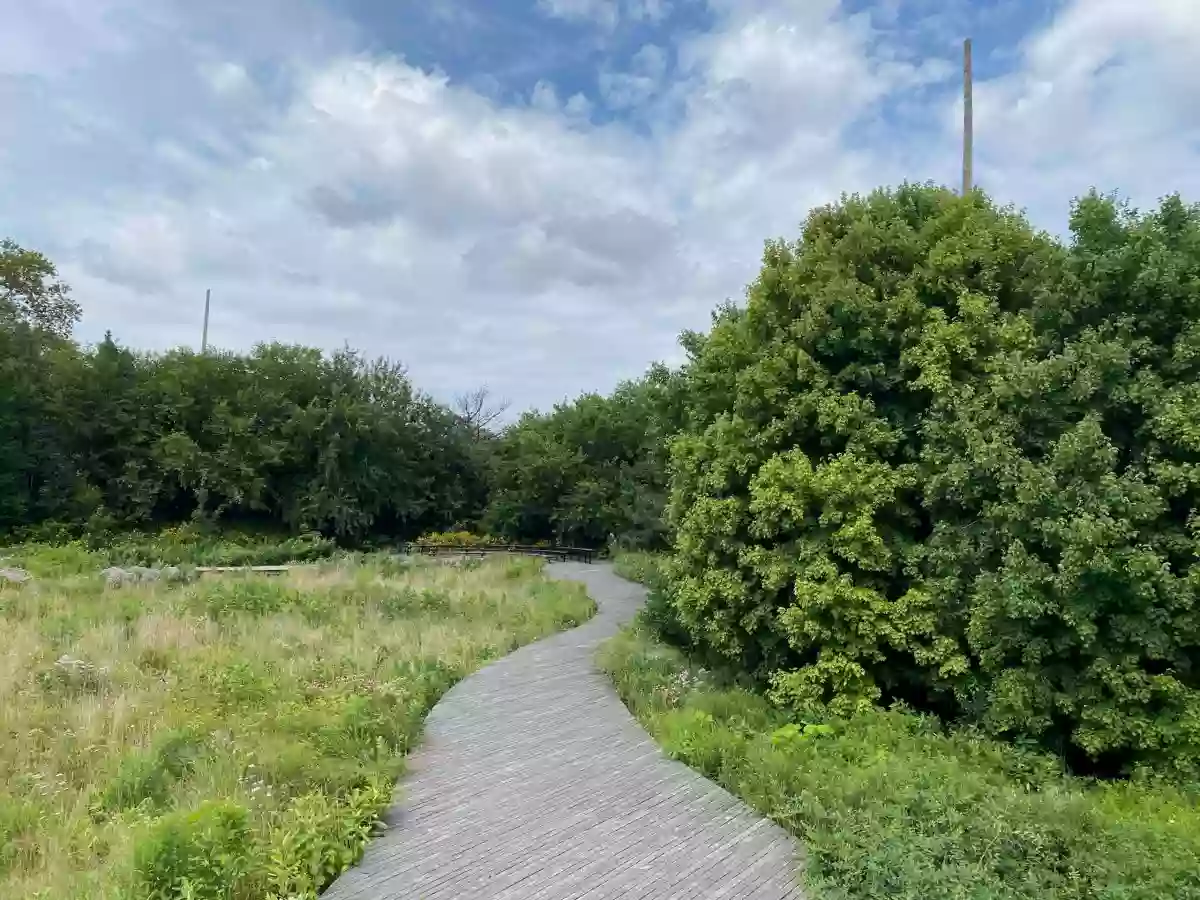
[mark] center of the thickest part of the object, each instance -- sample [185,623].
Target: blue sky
[536,195]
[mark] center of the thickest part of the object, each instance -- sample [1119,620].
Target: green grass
[888,804]
[638,565]
[237,737]
[183,545]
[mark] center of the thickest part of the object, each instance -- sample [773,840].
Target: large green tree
[942,457]
[32,292]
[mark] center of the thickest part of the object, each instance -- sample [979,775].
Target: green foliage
[590,469]
[147,776]
[181,546]
[18,830]
[640,566]
[319,838]
[464,539]
[942,458]
[659,614]
[31,292]
[199,854]
[889,805]
[93,439]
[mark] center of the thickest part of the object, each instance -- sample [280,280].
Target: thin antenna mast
[968,119]
[204,337]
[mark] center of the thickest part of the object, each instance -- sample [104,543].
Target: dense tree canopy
[283,435]
[31,292]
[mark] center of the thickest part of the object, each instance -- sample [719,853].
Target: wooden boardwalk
[535,783]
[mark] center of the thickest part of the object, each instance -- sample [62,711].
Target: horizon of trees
[105,437]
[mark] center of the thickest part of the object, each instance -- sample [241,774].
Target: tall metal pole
[968,119]
[204,337]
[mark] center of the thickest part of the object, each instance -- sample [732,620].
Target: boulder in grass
[145,575]
[14,576]
[114,576]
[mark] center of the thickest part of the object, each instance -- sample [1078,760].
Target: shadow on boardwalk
[535,783]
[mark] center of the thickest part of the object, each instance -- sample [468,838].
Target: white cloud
[604,13]
[1103,97]
[227,78]
[360,198]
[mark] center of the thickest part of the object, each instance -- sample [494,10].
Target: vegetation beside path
[893,804]
[236,737]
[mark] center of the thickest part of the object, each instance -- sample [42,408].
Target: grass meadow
[236,736]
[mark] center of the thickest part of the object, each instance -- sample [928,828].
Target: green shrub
[319,838]
[943,459]
[200,854]
[147,776]
[253,596]
[460,539]
[658,613]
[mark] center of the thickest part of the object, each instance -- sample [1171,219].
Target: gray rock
[14,576]
[146,576]
[114,576]
[117,577]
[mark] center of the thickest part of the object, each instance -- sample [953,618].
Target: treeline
[104,438]
[938,457]
[590,470]
[284,436]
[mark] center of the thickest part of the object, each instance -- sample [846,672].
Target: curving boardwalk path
[535,783]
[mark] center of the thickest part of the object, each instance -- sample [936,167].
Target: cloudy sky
[536,195]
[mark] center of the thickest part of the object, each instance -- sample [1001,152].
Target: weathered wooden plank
[535,783]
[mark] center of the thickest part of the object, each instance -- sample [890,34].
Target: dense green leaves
[589,469]
[31,292]
[941,457]
[284,436]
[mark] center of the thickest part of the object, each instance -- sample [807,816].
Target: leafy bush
[890,806]
[148,775]
[658,613]
[99,439]
[460,539]
[589,469]
[319,838]
[256,596]
[200,854]
[942,458]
